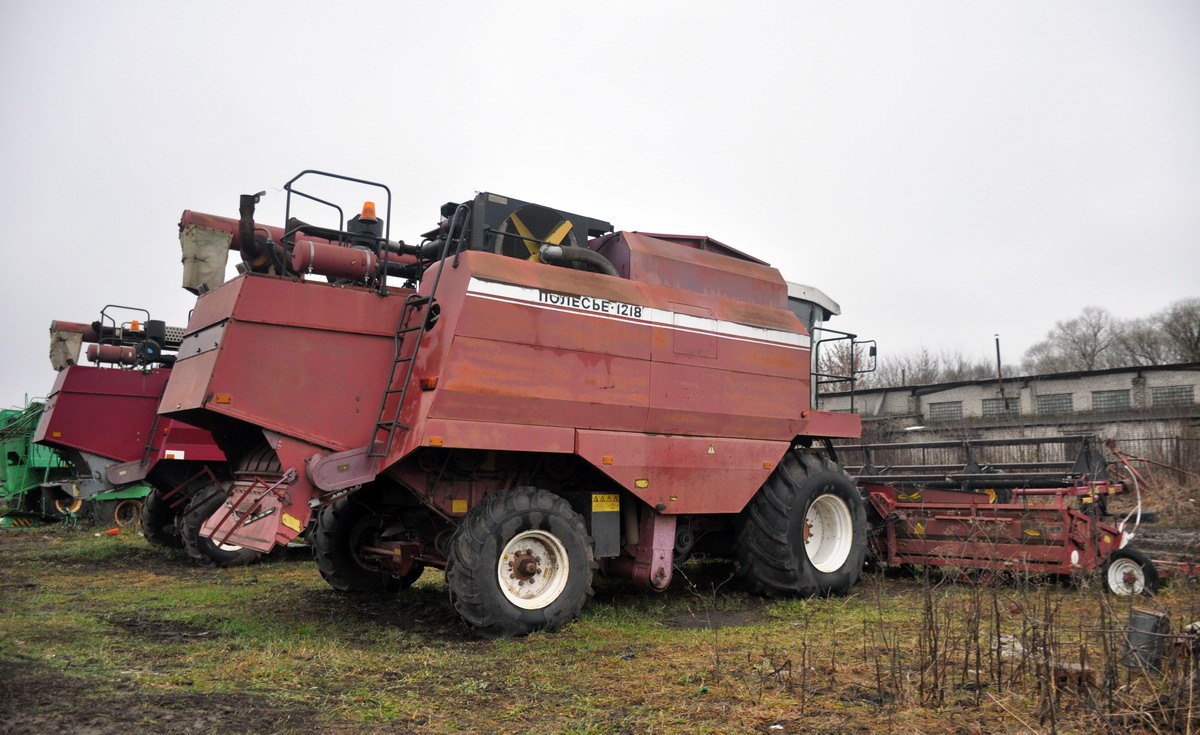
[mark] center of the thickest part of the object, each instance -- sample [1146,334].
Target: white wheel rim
[828,533]
[533,569]
[229,547]
[1125,577]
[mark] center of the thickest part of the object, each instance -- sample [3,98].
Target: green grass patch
[136,632]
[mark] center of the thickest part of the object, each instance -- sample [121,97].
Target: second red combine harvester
[543,398]
[127,460]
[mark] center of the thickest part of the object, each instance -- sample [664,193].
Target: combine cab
[130,464]
[543,398]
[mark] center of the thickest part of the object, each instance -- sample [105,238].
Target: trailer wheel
[520,561]
[205,551]
[160,521]
[341,529]
[805,531]
[1130,572]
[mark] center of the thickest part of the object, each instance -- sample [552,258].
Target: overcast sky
[945,171]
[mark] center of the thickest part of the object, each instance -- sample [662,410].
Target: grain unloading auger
[541,398]
[129,463]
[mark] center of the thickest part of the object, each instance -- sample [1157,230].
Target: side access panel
[681,474]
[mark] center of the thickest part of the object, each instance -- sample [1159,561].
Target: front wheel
[205,551]
[805,531]
[160,521]
[1130,572]
[338,539]
[519,562]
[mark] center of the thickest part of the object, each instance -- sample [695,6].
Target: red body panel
[110,413]
[304,359]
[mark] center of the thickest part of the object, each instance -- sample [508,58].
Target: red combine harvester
[103,418]
[543,396]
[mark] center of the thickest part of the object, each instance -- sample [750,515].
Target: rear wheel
[160,521]
[520,561]
[203,550]
[338,538]
[805,531]
[1130,572]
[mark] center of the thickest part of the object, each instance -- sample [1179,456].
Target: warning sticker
[291,522]
[606,502]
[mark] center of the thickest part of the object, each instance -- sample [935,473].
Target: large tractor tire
[340,531]
[519,562]
[805,532]
[205,551]
[160,522]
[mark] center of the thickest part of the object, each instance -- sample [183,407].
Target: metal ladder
[415,306]
[151,447]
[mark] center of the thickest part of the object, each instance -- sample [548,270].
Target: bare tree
[1141,342]
[922,367]
[955,365]
[835,360]
[1091,341]
[1082,343]
[1181,327]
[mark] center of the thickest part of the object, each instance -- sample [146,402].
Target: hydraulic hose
[557,254]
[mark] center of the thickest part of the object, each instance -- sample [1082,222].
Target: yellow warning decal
[291,522]
[458,505]
[919,529]
[1032,532]
[606,502]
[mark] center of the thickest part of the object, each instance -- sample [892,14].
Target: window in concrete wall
[1110,400]
[1055,403]
[945,411]
[1173,395]
[1001,407]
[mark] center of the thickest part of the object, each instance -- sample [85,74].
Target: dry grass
[132,636]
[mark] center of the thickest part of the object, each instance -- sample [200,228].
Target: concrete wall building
[1153,411]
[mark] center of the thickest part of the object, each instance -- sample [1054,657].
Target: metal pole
[1000,376]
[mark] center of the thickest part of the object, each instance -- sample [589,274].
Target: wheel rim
[69,505]
[1126,577]
[533,569]
[127,513]
[828,533]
